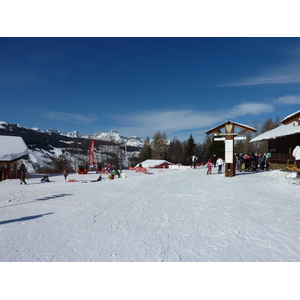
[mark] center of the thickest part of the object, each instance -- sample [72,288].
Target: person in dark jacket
[65,173]
[247,162]
[252,161]
[241,162]
[22,177]
[262,161]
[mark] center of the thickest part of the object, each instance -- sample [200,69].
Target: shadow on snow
[24,219]
[40,199]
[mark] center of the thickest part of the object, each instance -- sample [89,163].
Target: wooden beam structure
[230,135]
[291,118]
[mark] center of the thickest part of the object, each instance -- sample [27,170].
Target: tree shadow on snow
[40,199]
[24,219]
[53,197]
[245,173]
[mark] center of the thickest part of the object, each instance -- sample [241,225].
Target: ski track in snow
[166,216]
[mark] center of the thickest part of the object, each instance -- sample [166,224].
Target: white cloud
[252,108]
[185,122]
[289,100]
[284,75]
[69,117]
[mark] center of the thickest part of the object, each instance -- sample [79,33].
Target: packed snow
[161,216]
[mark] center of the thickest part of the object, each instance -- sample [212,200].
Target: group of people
[247,162]
[252,162]
[214,162]
[211,162]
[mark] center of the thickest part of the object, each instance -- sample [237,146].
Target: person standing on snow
[22,178]
[220,163]
[296,154]
[209,167]
[214,160]
[194,161]
[65,174]
[261,161]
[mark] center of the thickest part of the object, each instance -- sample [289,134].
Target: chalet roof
[12,148]
[153,163]
[291,118]
[282,130]
[241,126]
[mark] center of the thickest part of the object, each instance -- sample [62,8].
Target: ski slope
[171,216]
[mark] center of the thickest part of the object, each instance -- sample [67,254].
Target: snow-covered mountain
[45,146]
[112,136]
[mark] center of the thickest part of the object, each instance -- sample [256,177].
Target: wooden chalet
[12,149]
[282,140]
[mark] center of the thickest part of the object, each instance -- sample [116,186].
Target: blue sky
[180,86]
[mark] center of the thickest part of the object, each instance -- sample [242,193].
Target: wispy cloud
[250,108]
[288,100]
[285,75]
[176,122]
[68,117]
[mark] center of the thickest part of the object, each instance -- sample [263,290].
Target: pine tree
[190,149]
[206,146]
[175,151]
[146,151]
[217,148]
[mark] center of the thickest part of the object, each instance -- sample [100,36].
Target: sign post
[229,136]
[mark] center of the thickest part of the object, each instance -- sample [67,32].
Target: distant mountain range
[46,146]
[112,136]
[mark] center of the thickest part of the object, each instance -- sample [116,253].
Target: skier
[209,167]
[220,164]
[194,161]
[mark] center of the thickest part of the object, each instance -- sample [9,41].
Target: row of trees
[182,152]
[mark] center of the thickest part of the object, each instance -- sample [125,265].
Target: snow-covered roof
[12,148]
[291,118]
[153,162]
[1,124]
[242,126]
[282,130]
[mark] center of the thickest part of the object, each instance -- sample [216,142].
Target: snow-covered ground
[162,216]
[170,216]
